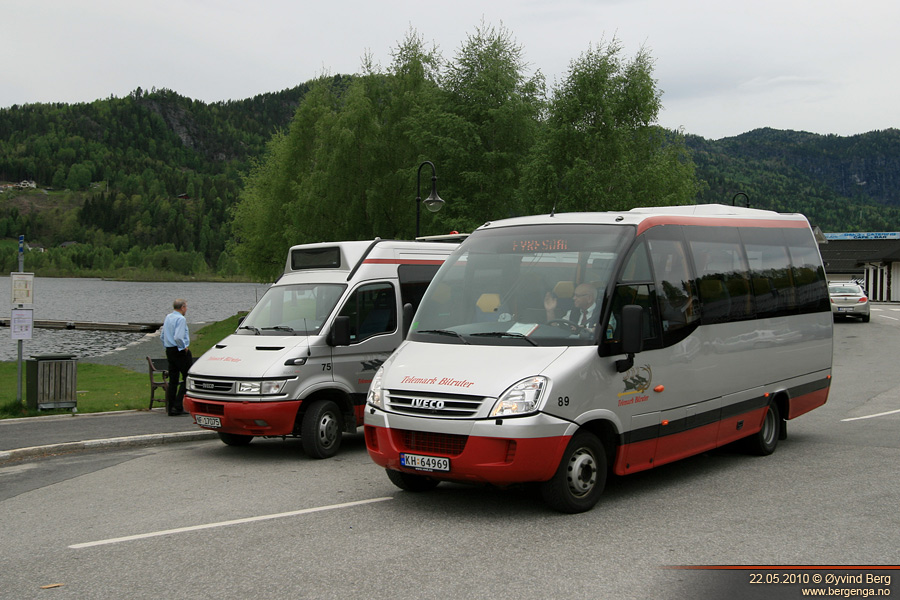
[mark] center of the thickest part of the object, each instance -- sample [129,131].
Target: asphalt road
[204,520]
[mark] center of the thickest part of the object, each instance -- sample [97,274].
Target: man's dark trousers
[179,363]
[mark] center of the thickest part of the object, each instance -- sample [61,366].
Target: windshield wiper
[251,328]
[280,328]
[445,332]
[510,334]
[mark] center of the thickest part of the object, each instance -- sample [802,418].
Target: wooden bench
[159,378]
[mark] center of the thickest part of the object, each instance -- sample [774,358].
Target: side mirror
[340,332]
[632,335]
[408,314]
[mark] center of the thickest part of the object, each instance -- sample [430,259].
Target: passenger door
[374,313]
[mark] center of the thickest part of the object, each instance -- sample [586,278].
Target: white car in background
[849,300]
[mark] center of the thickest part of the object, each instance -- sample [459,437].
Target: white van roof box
[348,255]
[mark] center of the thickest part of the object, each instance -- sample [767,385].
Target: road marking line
[890,412]
[887,317]
[305,511]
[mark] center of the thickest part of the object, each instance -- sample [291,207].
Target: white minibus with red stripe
[301,361]
[554,349]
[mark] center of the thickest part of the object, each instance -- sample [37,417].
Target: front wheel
[763,442]
[321,430]
[410,482]
[580,478]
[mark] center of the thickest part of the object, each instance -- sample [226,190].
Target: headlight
[273,386]
[375,397]
[521,399]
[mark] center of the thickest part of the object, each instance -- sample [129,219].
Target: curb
[133,441]
[77,415]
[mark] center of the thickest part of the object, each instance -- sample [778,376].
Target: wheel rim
[768,430]
[582,472]
[328,430]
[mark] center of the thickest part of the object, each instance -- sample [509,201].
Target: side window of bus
[807,270]
[723,278]
[676,290]
[414,280]
[634,287]
[633,293]
[372,310]
[770,272]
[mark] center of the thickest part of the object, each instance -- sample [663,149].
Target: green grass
[102,388]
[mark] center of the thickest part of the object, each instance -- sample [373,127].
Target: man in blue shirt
[176,339]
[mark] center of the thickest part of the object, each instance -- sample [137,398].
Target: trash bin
[50,381]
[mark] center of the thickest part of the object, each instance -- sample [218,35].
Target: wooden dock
[132,327]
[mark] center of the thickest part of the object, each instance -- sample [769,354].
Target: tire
[235,439]
[410,482]
[764,442]
[321,429]
[865,318]
[580,478]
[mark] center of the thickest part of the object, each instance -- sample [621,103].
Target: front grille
[433,405]
[209,409]
[437,443]
[212,385]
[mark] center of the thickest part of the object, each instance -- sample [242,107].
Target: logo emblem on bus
[434,405]
[637,379]
[371,365]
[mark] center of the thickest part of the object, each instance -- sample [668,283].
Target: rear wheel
[580,478]
[321,429]
[865,318]
[763,442]
[410,482]
[235,439]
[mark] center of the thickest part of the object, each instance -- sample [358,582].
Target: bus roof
[644,218]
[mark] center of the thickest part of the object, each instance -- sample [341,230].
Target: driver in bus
[584,311]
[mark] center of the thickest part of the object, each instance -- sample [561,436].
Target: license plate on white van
[425,463]
[208,421]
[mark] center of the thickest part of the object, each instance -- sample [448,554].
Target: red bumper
[498,461]
[248,418]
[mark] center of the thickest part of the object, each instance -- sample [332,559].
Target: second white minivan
[301,362]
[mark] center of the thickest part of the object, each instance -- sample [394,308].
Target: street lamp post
[433,202]
[741,194]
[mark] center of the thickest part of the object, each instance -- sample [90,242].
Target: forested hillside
[149,183]
[142,183]
[840,183]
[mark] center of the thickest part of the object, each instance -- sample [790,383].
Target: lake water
[98,300]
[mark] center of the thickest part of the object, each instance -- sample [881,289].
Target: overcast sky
[725,67]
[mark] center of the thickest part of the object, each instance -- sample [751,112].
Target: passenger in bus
[583,313]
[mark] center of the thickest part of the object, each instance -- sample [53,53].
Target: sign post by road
[21,322]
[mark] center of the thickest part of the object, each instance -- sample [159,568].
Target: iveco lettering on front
[557,349]
[301,361]
[426,403]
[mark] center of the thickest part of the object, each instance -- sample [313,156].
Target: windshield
[530,285]
[299,309]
